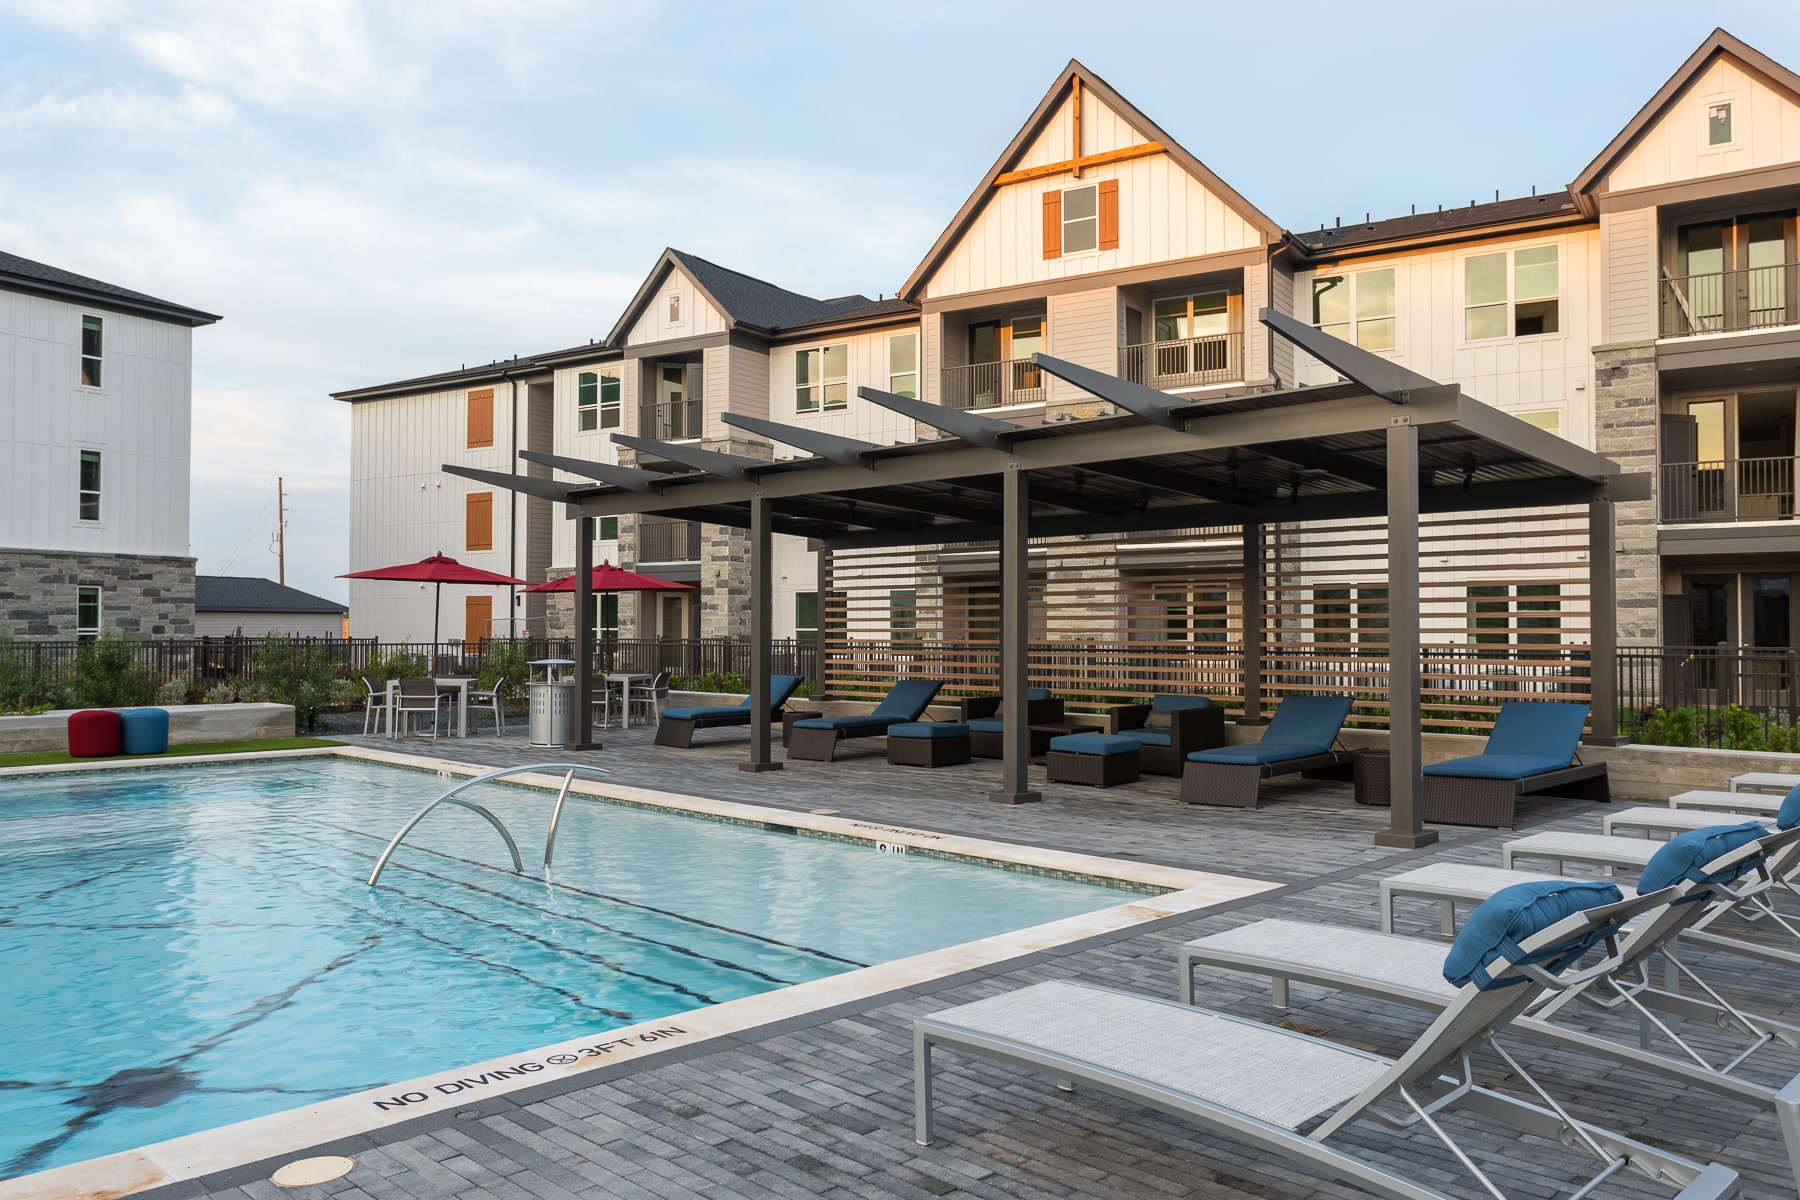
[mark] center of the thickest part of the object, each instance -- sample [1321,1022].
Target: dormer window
[675,309]
[1718,124]
[1080,219]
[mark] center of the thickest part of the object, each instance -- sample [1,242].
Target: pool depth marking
[563,1058]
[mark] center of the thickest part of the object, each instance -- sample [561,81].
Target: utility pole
[280,533]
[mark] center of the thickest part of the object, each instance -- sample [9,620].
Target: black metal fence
[1735,697]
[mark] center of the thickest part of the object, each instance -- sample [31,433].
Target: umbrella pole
[437,612]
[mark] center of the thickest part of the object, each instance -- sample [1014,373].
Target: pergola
[1384,441]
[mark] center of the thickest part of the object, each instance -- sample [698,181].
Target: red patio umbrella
[439,569]
[608,578]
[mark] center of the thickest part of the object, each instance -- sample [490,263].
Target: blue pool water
[185,947]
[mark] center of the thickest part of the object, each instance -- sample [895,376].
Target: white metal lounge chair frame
[1416,1079]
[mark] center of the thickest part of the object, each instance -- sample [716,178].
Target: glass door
[671,409]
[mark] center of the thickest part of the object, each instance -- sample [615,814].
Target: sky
[370,192]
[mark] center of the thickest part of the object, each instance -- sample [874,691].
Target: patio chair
[816,738]
[1300,737]
[986,718]
[1531,752]
[676,726]
[415,697]
[1701,869]
[1260,1085]
[651,696]
[375,707]
[494,701]
[1168,729]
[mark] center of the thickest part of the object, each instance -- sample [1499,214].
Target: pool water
[181,948]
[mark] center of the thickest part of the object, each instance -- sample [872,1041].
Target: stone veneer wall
[144,595]
[1626,419]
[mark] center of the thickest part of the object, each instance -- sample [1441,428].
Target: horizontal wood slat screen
[1504,615]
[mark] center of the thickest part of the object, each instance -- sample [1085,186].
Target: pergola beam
[543,489]
[1296,455]
[816,442]
[634,479]
[1179,483]
[986,432]
[1146,402]
[1382,376]
[736,467]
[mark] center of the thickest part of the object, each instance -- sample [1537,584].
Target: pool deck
[819,1105]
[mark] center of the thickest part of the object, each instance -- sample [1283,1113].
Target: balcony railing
[670,422]
[993,384]
[1190,362]
[1731,301]
[1734,489]
[668,541]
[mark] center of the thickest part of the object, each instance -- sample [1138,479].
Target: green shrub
[506,659]
[172,691]
[1660,727]
[728,682]
[24,688]
[1741,729]
[396,664]
[107,674]
[290,673]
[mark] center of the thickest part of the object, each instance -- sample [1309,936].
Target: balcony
[1731,301]
[665,541]
[1189,362]
[993,384]
[671,421]
[1739,489]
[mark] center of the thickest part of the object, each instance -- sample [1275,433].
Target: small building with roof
[247,606]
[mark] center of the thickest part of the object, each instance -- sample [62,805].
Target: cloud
[128,110]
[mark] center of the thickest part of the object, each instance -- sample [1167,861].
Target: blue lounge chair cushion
[1259,752]
[1103,744]
[1514,914]
[706,714]
[1146,737]
[870,721]
[1538,729]
[1162,706]
[1496,766]
[1307,721]
[987,725]
[1037,693]
[1684,857]
[908,699]
[928,730]
[1789,814]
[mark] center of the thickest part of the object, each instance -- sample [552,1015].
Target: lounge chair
[1168,729]
[677,725]
[986,718]
[1261,1085]
[1703,867]
[816,738]
[1531,752]
[1300,737]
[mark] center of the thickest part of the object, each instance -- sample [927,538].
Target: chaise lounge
[816,738]
[677,726]
[1168,729]
[1531,752]
[986,718]
[1301,738]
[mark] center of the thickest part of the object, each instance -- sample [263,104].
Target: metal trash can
[1369,777]
[552,704]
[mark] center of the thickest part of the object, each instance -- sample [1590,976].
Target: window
[91,344]
[1193,616]
[822,379]
[1718,124]
[603,615]
[1526,614]
[87,613]
[806,616]
[1549,420]
[478,521]
[90,485]
[1342,615]
[903,615]
[604,529]
[1081,219]
[1181,317]
[1357,308]
[1530,308]
[597,401]
[903,365]
[675,309]
[481,418]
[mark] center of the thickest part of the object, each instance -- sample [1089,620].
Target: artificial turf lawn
[44,758]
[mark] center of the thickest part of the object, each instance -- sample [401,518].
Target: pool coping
[223,1148]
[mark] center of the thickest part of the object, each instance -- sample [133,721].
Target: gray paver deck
[820,1106]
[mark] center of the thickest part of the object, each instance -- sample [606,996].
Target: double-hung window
[1356,307]
[822,379]
[1080,219]
[1511,293]
[92,346]
[597,401]
[903,365]
[806,616]
[87,613]
[89,493]
[603,529]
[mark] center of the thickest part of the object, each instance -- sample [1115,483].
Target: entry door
[1769,600]
[1680,471]
[1712,630]
[478,613]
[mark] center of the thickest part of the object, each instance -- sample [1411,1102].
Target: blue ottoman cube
[144,731]
[928,744]
[1092,759]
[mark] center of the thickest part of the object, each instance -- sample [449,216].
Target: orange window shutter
[1109,214]
[1052,224]
[480,521]
[481,418]
[477,612]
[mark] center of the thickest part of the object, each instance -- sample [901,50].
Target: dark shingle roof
[1449,221]
[239,593]
[761,305]
[40,277]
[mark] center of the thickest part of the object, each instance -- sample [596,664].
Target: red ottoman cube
[94,733]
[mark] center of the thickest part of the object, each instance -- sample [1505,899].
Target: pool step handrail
[451,796]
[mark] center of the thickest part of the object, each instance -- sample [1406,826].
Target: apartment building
[95,420]
[1647,311]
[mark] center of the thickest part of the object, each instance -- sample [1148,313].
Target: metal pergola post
[1405,783]
[1015,632]
[1603,623]
[584,636]
[761,627]
[1254,613]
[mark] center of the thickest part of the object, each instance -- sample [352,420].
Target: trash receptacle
[552,703]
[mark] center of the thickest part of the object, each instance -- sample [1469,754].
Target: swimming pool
[187,947]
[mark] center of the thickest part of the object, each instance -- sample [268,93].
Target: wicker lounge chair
[1531,752]
[1168,729]
[986,718]
[677,725]
[1410,971]
[1261,1086]
[817,737]
[1300,737]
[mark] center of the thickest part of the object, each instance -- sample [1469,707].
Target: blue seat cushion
[1146,737]
[1259,752]
[987,725]
[1308,720]
[1538,729]
[704,714]
[1514,914]
[1789,814]
[908,699]
[1496,766]
[1103,744]
[929,730]
[868,722]
[1685,857]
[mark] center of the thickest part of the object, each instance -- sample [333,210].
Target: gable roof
[1034,125]
[23,274]
[1557,207]
[744,301]
[244,593]
[1716,44]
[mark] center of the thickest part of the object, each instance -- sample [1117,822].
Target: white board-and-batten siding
[1676,148]
[697,316]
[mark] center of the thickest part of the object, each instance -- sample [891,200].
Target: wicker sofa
[986,718]
[1168,729]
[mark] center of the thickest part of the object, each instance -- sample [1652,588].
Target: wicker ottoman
[928,744]
[1370,775]
[1093,759]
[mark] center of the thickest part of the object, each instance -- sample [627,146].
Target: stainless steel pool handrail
[451,796]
